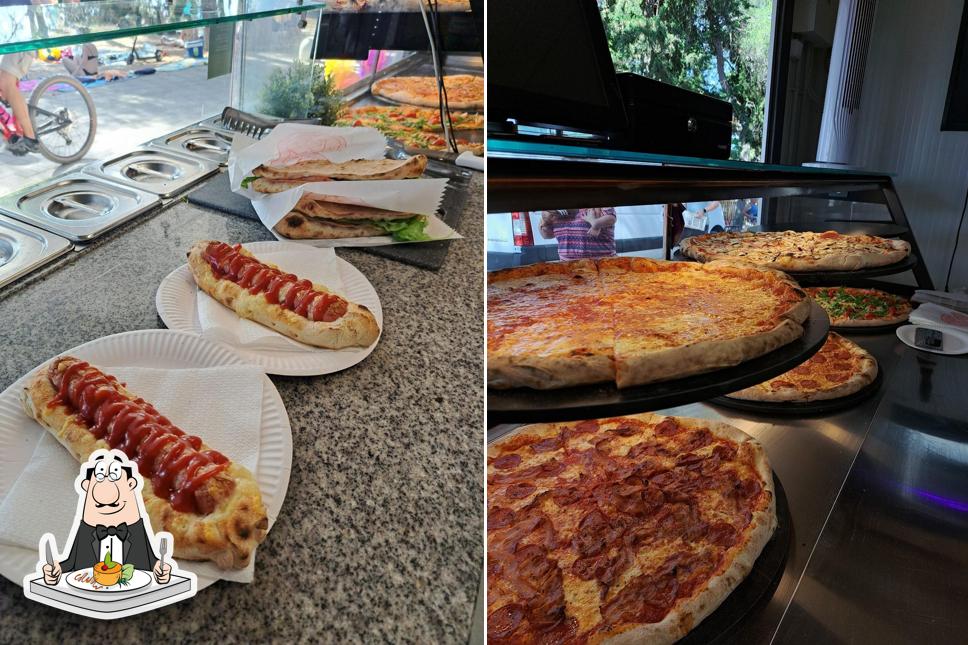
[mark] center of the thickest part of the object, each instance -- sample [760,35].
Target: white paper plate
[157,348]
[176,303]
[954,341]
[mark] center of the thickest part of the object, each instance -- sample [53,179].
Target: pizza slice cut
[547,327]
[734,312]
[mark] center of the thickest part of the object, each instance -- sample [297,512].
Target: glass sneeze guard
[499,146]
[36,26]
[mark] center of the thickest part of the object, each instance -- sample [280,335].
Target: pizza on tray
[415,127]
[839,369]
[464,91]
[633,321]
[623,530]
[798,251]
[856,307]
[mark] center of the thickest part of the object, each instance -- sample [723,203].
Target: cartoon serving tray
[90,578]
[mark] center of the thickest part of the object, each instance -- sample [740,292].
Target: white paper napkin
[222,324]
[222,405]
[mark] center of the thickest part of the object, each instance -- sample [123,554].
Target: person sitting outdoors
[581,233]
[81,61]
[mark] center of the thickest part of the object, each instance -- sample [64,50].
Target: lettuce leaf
[247,181]
[404,230]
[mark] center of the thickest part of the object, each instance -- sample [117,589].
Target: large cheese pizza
[624,530]
[839,369]
[861,307]
[464,91]
[633,320]
[798,251]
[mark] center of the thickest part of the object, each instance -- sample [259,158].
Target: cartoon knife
[50,554]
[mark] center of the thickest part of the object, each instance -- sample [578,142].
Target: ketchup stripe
[228,263]
[163,452]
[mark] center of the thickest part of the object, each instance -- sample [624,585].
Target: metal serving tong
[252,125]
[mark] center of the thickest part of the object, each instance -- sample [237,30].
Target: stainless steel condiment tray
[77,206]
[208,143]
[23,248]
[162,172]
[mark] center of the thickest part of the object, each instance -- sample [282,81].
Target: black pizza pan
[803,408]
[757,588]
[524,405]
[816,278]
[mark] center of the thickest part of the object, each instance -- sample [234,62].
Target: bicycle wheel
[64,119]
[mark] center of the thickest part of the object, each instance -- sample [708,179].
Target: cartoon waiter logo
[116,565]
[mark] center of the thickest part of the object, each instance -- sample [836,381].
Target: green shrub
[302,90]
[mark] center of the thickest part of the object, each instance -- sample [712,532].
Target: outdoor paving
[129,112]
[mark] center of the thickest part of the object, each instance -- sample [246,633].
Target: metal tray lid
[77,205]
[23,248]
[163,172]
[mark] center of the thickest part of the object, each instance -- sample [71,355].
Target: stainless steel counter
[879,501]
[891,566]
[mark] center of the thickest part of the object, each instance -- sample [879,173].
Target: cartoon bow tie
[121,530]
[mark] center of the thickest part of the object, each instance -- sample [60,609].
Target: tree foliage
[717,47]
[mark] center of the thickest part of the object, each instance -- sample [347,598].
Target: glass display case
[182,62]
[131,92]
[705,196]
[814,453]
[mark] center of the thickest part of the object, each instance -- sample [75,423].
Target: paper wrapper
[289,143]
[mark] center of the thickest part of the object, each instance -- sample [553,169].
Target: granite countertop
[380,537]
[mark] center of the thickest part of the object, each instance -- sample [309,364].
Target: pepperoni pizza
[798,251]
[839,369]
[623,530]
[633,320]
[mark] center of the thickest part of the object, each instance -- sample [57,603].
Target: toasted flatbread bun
[317,206]
[354,170]
[298,226]
[272,186]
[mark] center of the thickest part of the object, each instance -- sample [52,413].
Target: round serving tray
[826,278]
[802,408]
[880,229]
[524,405]
[758,587]
[873,330]
[811,278]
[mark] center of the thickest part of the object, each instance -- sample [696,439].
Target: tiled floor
[130,112]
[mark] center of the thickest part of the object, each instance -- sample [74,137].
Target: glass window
[716,47]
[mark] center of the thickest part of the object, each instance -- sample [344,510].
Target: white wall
[905,87]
